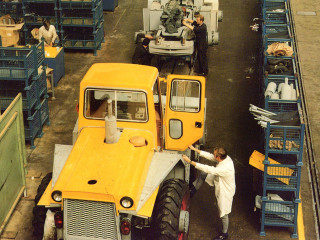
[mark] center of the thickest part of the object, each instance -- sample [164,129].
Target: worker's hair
[45,21]
[220,152]
[146,42]
[201,17]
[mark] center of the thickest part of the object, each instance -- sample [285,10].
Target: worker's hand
[185,158]
[184,21]
[192,148]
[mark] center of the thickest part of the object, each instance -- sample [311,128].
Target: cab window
[126,105]
[185,95]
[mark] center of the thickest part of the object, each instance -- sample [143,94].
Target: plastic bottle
[293,92]
[285,90]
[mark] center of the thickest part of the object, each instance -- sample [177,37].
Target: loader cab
[174,113]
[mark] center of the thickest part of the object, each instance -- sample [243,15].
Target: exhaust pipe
[112,133]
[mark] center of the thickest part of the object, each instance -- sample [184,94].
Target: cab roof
[120,75]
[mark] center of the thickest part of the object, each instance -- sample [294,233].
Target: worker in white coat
[48,33]
[222,177]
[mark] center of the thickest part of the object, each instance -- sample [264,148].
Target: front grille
[84,220]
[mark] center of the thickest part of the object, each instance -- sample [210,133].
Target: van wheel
[39,212]
[170,217]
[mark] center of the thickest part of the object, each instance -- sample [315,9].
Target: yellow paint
[301,233]
[146,210]
[120,169]
[190,133]
[256,160]
[51,52]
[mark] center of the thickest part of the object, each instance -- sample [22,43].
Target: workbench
[54,58]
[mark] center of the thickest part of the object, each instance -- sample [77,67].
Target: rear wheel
[39,212]
[170,218]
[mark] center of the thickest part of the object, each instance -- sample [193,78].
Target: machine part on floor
[163,20]
[99,185]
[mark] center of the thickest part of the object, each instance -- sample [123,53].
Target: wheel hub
[184,221]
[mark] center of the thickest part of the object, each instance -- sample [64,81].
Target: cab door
[184,111]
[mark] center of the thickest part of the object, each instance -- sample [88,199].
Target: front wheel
[170,217]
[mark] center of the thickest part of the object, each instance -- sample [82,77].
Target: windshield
[126,105]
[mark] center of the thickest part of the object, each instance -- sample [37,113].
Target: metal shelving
[284,142]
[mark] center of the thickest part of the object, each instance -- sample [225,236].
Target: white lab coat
[49,35]
[223,178]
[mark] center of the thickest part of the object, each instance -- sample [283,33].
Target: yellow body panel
[256,160]
[146,210]
[190,133]
[120,169]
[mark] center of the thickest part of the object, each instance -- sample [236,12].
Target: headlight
[126,202]
[57,196]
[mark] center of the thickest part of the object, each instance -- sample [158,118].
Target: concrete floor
[232,84]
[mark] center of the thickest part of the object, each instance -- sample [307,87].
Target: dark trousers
[202,61]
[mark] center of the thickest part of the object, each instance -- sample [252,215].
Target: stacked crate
[283,143]
[22,70]
[34,11]
[14,9]
[81,23]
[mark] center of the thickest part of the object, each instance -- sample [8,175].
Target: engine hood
[98,171]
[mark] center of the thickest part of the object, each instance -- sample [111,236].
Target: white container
[280,87]
[293,92]
[271,88]
[286,91]
[275,95]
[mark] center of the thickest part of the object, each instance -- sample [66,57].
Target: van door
[184,111]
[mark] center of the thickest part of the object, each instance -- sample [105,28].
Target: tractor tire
[173,197]
[39,212]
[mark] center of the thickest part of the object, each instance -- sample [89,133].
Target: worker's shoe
[222,236]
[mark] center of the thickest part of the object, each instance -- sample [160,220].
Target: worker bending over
[48,33]
[200,30]
[222,177]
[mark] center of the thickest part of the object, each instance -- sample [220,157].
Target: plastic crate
[32,127]
[30,96]
[80,4]
[44,111]
[42,83]
[92,42]
[284,139]
[14,9]
[16,63]
[282,177]
[277,31]
[279,214]
[280,66]
[279,105]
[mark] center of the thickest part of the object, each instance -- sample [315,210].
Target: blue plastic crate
[92,42]
[32,127]
[16,63]
[277,31]
[282,177]
[14,9]
[87,18]
[44,111]
[42,83]
[279,214]
[80,4]
[284,139]
[280,66]
[30,96]
[279,105]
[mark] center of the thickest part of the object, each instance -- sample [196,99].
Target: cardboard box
[10,34]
